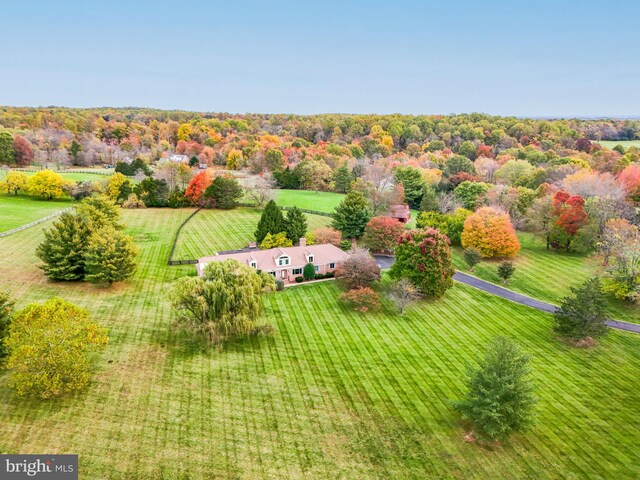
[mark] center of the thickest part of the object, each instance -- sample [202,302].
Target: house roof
[400,211]
[267,259]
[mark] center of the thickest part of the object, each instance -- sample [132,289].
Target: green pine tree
[7,151]
[582,314]
[64,247]
[352,215]
[111,256]
[225,192]
[429,202]
[342,179]
[295,224]
[271,221]
[500,399]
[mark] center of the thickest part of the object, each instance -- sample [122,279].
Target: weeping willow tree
[225,302]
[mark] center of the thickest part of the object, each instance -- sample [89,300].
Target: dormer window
[284,260]
[253,264]
[310,258]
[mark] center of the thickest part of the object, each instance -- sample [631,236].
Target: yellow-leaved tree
[46,184]
[14,182]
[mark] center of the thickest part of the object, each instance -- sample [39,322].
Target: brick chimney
[302,242]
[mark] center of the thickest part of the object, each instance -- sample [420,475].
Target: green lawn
[335,394]
[213,230]
[625,143]
[22,209]
[319,201]
[547,274]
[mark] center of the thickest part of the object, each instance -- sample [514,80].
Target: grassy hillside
[335,394]
[624,143]
[547,274]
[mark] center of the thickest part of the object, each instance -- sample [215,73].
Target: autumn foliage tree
[23,151]
[358,270]
[362,299]
[570,216]
[330,235]
[490,232]
[381,233]
[629,178]
[198,184]
[424,257]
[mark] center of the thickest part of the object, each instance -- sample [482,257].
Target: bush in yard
[358,270]
[133,202]
[279,285]
[271,221]
[402,293]
[111,256]
[226,301]
[6,311]
[299,279]
[277,240]
[309,271]
[424,257]
[582,314]
[330,235]
[491,232]
[505,270]
[471,257]
[381,233]
[499,399]
[362,299]
[50,347]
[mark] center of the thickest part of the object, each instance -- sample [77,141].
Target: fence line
[32,224]
[175,241]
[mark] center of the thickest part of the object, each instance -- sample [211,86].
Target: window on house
[317,268]
[332,265]
[310,258]
[283,261]
[254,264]
[296,271]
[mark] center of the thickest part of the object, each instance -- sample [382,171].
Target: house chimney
[302,242]
[252,245]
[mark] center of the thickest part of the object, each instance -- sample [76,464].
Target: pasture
[210,231]
[17,210]
[89,175]
[548,275]
[625,143]
[319,201]
[334,394]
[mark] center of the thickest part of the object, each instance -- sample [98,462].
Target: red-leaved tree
[197,186]
[327,235]
[24,152]
[381,233]
[570,212]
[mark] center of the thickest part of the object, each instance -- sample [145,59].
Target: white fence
[32,224]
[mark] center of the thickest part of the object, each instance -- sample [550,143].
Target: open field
[320,201]
[75,176]
[547,275]
[213,230]
[335,394]
[624,143]
[22,209]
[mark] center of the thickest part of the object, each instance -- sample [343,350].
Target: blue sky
[535,58]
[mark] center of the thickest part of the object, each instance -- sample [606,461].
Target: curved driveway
[386,262]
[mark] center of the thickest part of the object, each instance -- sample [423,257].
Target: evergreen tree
[111,256]
[429,202]
[413,183]
[7,151]
[64,246]
[295,224]
[342,179]
[352,215]
[153,192]
[582,314]
[271,221]
[505,270]
[287,178]
[500,399]
[224,192]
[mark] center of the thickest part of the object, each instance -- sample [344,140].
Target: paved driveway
[386,262]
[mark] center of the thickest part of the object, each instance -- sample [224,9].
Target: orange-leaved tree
[490,232]
[197,186]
